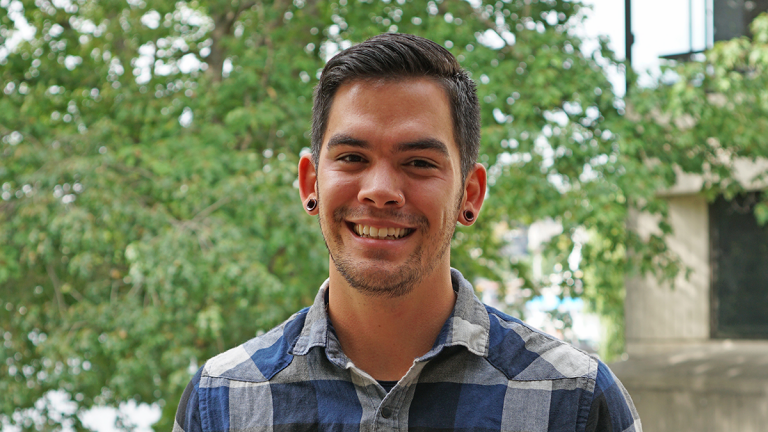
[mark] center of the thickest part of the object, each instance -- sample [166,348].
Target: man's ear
[308,184]
[474,195]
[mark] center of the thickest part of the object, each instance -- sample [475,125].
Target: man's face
[389,164]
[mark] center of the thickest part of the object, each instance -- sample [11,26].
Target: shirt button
[386,412]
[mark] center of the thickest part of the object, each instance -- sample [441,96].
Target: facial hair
[383,283]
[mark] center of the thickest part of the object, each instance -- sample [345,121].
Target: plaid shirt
[487,371]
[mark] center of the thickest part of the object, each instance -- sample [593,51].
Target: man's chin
[380,281]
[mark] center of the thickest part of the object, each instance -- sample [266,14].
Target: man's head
[390,175]
[395,57]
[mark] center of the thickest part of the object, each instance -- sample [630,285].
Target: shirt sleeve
[188,414]
[612,409]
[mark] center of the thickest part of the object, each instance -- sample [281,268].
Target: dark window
[739,257]
[732,17]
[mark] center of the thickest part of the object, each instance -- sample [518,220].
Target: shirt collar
[468,325]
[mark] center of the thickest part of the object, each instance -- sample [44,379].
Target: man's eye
[351,158]
[420,163]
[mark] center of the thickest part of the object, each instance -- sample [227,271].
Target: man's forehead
[355,85]
[418,109]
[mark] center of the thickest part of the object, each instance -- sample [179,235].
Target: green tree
[702,117]
[149,218]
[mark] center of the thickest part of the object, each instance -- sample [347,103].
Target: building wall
[684,410]
[658,313]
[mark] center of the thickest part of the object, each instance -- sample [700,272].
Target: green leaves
[149,218]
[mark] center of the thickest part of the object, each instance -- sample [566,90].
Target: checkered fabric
[487,371]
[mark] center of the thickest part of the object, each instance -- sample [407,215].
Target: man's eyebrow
[424,144]
[346,140]
[421,144]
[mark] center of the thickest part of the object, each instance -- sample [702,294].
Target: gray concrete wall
[658,313]
[717,386]
[682,410]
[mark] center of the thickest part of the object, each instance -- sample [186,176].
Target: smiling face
[388,184]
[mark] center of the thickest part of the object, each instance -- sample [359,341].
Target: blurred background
[149,215]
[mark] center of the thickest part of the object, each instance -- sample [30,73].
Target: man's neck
[383,335]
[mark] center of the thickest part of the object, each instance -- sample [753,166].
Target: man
[396,339]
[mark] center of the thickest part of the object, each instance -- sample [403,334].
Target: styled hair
[397,56]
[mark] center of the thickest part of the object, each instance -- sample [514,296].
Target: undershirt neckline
[388,385]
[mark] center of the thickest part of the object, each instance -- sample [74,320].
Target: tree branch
[56,288]
[210,209]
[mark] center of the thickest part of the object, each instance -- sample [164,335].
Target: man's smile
[381,233]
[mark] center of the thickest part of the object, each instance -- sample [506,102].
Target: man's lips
[381,233]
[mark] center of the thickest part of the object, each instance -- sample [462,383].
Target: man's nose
[381,187]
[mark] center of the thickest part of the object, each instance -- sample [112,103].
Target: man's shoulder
[259,358]
[524,353]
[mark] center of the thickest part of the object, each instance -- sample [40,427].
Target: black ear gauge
[469,216]
[311,204]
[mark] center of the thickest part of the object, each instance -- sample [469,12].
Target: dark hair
[394,56]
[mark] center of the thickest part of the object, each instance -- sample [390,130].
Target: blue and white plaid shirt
[487,371]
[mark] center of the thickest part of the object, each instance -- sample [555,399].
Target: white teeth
[380,233]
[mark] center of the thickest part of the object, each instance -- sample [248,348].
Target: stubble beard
[391,283]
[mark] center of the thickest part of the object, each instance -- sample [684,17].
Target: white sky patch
[491,39]
[151,19]
[84,25]
[142,416]
[579,237]
[514,158]
[592,113]
[328,49]
[186,117]
[499,116]
[587,174]
[56,30]
[558,181]
[509,37]
[163,69]
[572,108]
[655,33]
[559,117]
[189,63]
[58,404]
[541,232]
[22,30]
[143,64]
[147,50]
[606,18]
[115,67]
[193,16]
[226,69]
[62,4]
[542,147]
[181,44]
[71,62]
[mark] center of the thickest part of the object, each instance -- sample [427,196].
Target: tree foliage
[705,117]
[149,218]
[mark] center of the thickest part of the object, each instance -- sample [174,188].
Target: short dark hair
[394,56]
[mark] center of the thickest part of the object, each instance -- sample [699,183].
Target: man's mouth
[390,233]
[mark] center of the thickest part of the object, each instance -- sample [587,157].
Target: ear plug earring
[469,216]
[311,204]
